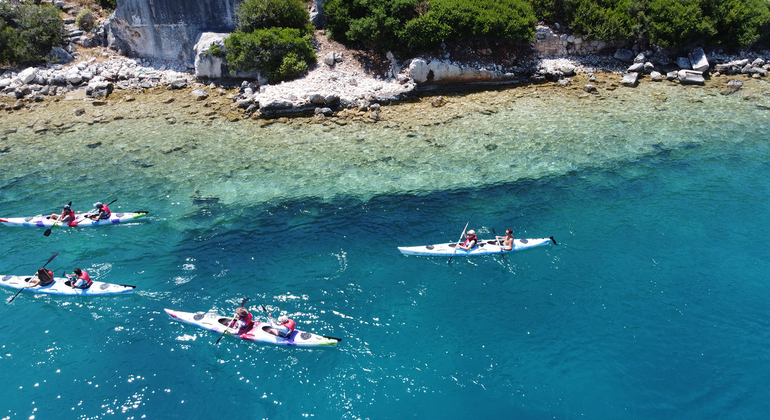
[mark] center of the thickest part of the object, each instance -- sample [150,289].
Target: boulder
[418,70]
[698,60]
[630,79]
[28,75]
[61,55]
[329,59]
[690,77]
[636,68]
[683,63]
[274,104]
[624,55]
[209,66]
[317,17]
[200,94]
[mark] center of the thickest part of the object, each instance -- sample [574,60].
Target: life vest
[85,277]
[290,325]
[469,239]
[107,212]
[248,322]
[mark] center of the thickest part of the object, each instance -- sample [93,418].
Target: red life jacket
[106,211]
[249,319]
[83,275]
[468,240]
[290,325]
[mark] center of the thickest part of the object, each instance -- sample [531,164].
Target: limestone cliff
[167,29]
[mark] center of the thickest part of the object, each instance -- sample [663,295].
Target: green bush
[28,32]
[375,24]
[216,51]
[512,20]
[85,20]
[266,50]
[607,20]
[108,4]
[263,14]
[675,23]
[740,22]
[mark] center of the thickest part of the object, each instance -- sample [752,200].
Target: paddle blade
[554,241]
[47,232]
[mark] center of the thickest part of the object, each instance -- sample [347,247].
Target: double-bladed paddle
[228,325]
[458,242]
[17,293]
[500,243]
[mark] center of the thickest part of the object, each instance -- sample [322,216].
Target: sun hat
[242,312]
[66,206]
[282,319]
[471,232]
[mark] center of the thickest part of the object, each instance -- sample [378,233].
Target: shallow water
[652,305]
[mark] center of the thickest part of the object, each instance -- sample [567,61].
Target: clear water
[653,305]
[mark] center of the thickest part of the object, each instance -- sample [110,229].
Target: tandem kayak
[484,247]
[217,323]
[80,220]
[60,286]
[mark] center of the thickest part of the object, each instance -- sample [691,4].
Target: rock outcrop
[166,29]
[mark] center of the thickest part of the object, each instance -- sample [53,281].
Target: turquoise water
[653,305]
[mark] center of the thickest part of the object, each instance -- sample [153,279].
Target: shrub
[28,32]
[511,20]
[85,20]
[607,20]
[216,51]
[108,4]
[267,50]
[739,22]
[373,23]
[675,23]
[263,14]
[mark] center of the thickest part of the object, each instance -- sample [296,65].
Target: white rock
[27,75]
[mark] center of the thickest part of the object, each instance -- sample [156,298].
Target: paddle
[499,243]
[458,242]
[17,293]
[228,325]
[48,231]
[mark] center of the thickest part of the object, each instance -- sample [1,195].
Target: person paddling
[282,328]
[507,239]
[470,240]
[82,279]
[42,278]
[103,212]
[66,215]
[244,322]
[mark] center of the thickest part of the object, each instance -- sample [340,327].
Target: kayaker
[470,240]
[83,280]
[103,212]
[243,320]
[282,328]
[508,239]
[66,215]
[42,278]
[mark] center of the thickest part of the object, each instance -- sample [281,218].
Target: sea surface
[653,305]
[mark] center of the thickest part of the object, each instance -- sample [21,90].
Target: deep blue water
[653,305]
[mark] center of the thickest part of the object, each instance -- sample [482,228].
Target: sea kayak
[80,220]
[60,286]
[217,323]
[484,247]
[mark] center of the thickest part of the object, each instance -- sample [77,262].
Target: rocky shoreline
[341,85]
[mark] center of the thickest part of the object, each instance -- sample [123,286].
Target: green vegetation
[281,53]
[108,4]
[411,25]
[85,20]
[273,37]
[28,32]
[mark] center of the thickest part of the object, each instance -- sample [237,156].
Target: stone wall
[167,29]
[549,43]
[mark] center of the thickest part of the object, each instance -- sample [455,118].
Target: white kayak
[80,220]
[217,323]
[484,247]
[60,286]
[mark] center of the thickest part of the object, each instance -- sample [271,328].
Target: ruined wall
[167,29]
